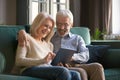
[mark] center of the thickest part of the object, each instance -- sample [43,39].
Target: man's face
[63,25]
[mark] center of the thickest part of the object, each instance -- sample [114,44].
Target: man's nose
[62,27]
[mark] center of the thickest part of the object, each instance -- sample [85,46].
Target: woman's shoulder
[50,45]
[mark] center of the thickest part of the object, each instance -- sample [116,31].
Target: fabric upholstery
[8,44]
[109,58]
[97,52]
[13,77]
[112,58]
[112,74]
[84,32]
[2,62]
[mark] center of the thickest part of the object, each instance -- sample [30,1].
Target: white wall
[116,17]
[8,12]
[2,11]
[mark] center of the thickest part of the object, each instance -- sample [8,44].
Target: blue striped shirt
[73,42]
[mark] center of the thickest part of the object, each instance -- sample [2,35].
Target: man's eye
[66,24]
[63,24]
[59,24]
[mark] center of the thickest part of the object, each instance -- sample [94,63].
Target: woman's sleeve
[22,60]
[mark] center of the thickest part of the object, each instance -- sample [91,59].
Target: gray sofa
[8,44]
[103,54]
[106,52]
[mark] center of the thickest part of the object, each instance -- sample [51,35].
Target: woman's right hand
[49,57]
[22,38]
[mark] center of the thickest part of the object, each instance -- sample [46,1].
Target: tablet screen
[63,55]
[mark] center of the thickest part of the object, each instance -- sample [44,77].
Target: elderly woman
[36,55]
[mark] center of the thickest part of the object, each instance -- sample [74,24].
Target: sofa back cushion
[84,32]
[2,62]
[8,44]
[112,58]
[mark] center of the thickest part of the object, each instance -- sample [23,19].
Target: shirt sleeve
[82,54]
[22,60]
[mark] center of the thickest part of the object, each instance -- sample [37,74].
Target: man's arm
[82,54]
[22,38]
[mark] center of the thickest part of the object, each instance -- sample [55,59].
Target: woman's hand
[22,38]
[49,57]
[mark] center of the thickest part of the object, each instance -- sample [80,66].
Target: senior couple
[36,50]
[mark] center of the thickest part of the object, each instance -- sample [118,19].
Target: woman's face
[45,28]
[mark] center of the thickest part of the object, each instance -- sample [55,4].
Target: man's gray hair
[65,13]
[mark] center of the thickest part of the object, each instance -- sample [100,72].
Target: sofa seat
[13,77]
[112,74]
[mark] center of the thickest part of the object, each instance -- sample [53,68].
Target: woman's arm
[22,60]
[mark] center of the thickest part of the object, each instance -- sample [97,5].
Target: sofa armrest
[112,58]
[2,62]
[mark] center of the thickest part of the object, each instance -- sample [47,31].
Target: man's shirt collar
[69,35]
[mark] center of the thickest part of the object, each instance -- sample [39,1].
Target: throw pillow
[97,52]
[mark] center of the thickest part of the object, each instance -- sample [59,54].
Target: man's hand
[60,64]
[64,65]
[67,65]
[22,38]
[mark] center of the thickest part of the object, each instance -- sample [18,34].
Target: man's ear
[71,25]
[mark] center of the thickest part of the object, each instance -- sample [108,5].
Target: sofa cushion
[8,44]
[13,77]
[2,62]
[84,32]
[97,52]
[112,58]
[112,74]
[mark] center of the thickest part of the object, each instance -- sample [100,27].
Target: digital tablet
[63,55]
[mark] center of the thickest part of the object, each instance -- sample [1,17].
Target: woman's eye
[49,27]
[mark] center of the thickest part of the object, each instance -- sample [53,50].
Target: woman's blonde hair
[38,21]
